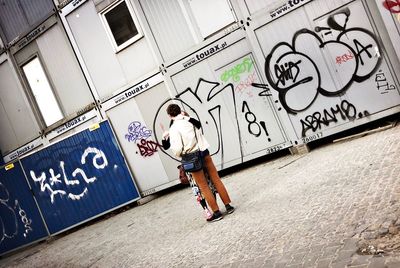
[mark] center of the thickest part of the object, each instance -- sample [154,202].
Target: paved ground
[314,210]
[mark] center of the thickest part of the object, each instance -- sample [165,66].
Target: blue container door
[79,178]
[20,220]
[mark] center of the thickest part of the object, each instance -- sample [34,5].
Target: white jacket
[183,134]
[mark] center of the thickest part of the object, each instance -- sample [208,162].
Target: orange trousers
[201,181]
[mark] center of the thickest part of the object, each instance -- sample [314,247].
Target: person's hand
[165,135]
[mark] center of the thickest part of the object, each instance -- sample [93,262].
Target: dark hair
[173,110]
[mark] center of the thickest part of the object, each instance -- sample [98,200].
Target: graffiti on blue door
[99,161]
[80,177]
[20,220]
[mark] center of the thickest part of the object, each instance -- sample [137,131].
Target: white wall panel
[239,119]
[8,140]
[96,49]
[18,125]
[169,27]
[319,8]
[327,67]
[139,146]
[218,10]
[64,70]
[109,70]
[136,60]
[256,5]
[391,20]
[148,103]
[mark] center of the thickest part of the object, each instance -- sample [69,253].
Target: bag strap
[197,141]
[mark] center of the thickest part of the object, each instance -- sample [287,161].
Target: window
[121,25]
[211,15]
[42,92]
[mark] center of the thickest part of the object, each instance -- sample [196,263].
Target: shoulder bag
[192,161]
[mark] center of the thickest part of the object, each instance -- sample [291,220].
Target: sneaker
[216,216]
[229,209]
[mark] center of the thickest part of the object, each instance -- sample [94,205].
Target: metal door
[326,65]
[79,178]
[221,85]
[20,221]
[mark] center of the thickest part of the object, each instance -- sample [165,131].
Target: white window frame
[43,113]
[109,32]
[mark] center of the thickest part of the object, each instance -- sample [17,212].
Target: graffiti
[248,82]
[99,161]
[24,219]
[392,5]
[254,128]
[136,132]
[334,24]
[382,84]
[288,71]
[210,111]
[139,133]
[265,92]
[295,74]
[315,121]
[344,58]
[204,94]
[327,29]
[234,73]
[148,148]
[8,219]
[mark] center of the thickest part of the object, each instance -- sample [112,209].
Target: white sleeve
[176,142]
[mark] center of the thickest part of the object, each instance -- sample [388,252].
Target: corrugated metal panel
[22,126]
[36,10]
[319,8]
[64,70]
[169,27]
[18,16]
[20,220]
[12,19]
[79,178]
[255,5]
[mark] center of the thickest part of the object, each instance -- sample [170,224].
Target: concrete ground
[337,206]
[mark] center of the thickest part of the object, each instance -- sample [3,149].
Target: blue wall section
[20,221]
[1,159]
[79,178]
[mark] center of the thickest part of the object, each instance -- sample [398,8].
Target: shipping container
[21,222]
[79,178]
[327,66]
[261,76]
